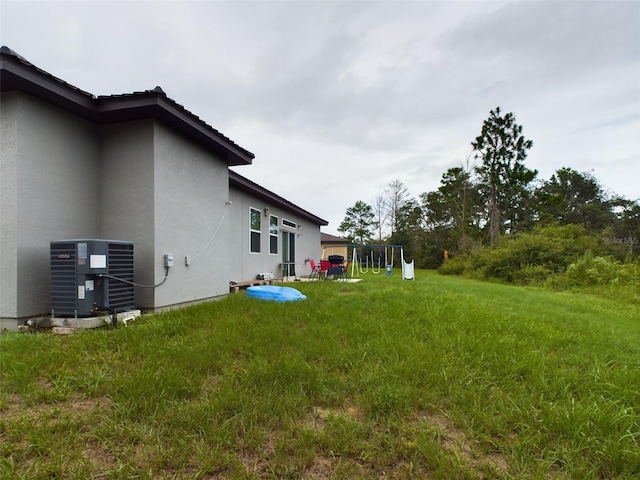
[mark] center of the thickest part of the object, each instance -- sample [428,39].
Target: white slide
[407,270]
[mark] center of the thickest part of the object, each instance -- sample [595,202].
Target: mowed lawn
[437,378]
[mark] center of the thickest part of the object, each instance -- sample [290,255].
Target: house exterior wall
[8,209]
[245,265]
[163,188]
[49,191]
[308,241]
[63,177]
[167,196]
[127,199]
[191,194]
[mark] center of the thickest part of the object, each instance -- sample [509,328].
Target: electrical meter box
[90,276]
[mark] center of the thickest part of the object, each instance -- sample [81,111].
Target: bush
[454,266]
[590,270]
[431,258]
[547,250]
[532,275]
[527,258]
[554,256]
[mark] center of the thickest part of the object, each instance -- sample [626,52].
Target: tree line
[495,200]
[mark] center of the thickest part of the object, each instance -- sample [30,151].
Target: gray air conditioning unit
[90,276]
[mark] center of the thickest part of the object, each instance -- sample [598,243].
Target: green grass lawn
[435,378]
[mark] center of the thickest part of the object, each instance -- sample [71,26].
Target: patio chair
[315,270]
[345,270]
[324,266]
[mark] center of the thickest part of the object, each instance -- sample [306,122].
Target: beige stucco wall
[333,249]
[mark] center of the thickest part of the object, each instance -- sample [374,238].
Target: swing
[360,262]
[363,270]
[373,270]
[389,265]
[356,263]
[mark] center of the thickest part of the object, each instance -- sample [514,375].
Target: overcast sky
[336,99]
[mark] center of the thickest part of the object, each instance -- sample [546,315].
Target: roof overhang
[244,184]
[16,73]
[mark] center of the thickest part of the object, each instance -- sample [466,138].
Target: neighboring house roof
[326,238]
[244,184]
[16,73]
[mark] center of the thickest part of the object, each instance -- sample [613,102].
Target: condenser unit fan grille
[91,276]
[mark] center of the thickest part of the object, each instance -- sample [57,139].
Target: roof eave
[242,183]
[16,73]
[114,109]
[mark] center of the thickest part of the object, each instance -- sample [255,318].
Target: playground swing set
[370,257]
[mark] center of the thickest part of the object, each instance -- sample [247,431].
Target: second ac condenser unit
[89,276]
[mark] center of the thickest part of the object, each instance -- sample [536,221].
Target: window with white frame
[255,229]
[273,235]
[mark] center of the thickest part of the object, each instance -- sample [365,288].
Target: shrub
[431,258]
[528,257]
[548,249]
[592,270]
[454,266]
[532,275]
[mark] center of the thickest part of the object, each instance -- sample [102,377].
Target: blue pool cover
[275,293]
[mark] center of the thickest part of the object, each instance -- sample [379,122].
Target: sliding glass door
[288,254]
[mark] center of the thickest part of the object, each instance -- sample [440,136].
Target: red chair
[346,269]
[324,266]
[315,270]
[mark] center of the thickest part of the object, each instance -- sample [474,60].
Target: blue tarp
[275,293]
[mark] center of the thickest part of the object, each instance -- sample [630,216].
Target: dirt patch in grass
[322,468]
[13,405]
[319,416]
[55,416]
[261,463]
[16,406]
[454,439]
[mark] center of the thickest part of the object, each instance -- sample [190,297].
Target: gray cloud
[372,90]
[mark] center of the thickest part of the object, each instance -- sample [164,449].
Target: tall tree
[358,222]
[462,201]
[397,195]
[627,227]
[504,177]
[380,212]
[453,212]
[574,197]
[409,228]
